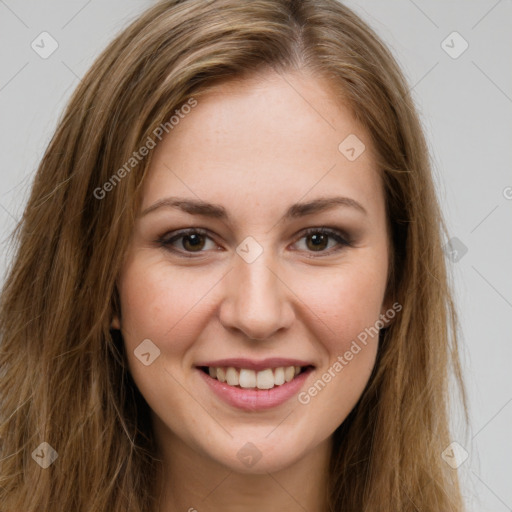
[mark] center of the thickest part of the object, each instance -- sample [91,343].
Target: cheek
[344,321]
[349,302]
[164,304]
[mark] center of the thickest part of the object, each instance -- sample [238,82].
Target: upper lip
[252,364]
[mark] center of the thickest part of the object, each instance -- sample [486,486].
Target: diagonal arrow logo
[44,45]
[146,352]
[454,45]
[249,454]
[45,455]
[249,249]
[351,147]
[454,455]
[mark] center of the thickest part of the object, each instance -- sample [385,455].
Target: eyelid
[341,237]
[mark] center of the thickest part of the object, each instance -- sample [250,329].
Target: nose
[257,301]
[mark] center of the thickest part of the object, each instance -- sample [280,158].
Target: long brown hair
[64,378]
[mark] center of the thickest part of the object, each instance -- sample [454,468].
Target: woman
[267,371]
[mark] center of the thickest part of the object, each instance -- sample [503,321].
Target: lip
[255,399]
[252,364]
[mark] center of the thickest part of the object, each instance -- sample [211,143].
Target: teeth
[245,378]
[232,377]
[221,374]
[264,379]
[279,376]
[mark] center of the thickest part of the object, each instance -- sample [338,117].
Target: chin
[257,457]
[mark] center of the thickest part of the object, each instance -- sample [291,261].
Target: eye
[319,240]
[195,240]
[191,240]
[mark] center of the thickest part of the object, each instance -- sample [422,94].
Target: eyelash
[337,235]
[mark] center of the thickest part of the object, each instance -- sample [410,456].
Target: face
[251,282]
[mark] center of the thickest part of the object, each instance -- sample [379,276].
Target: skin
[254,147]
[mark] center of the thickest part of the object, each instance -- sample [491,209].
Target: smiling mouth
[251,379]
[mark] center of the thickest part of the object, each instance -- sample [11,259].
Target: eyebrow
[297,210]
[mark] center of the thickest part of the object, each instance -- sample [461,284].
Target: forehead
[265,142]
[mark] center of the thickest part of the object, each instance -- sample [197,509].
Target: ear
[116,323]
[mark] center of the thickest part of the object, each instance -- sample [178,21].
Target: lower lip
[256,399]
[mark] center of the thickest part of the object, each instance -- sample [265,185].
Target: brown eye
[317,240]
[188,241]
[193,242]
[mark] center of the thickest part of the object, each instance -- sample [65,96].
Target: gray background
[466,107]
